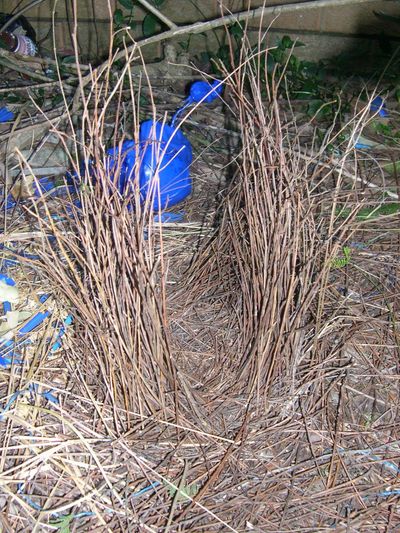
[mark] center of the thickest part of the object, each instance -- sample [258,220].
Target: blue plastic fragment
[165,156]
[10,202]
[124,161]
[387,493]
[150,487]
[200,91]
[8,356]
[46,185]
[361,146]
[6,362]
[18,253]
[379,105]
[67,322]
[8,281]
[10,402]
[48,395]
[36,320]
[6,114]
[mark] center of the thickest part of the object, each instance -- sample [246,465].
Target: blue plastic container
[165,156]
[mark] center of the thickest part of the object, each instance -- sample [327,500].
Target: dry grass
[237,365]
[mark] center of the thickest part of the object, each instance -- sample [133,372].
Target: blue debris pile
[19,324]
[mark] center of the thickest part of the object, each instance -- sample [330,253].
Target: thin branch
[158,14]
[12,64]
[19,13]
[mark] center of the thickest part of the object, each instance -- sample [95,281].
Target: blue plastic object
[379,105]
[8,281]
[36,320]
[67,322]
[6,114]
[165,156]
[202,91]
[164,168]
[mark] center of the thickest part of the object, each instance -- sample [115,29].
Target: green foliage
[341,262]
[150,24]
[302,80]
[127,4]
[368,213]
[393,167]
[390,134]
[62,524]
[185,492]
[119,19]
[122,21]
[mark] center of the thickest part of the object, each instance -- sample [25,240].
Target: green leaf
[157,3]
[271,64]
[57,99]
[13,99]
[224,53]
[63,523]
[118,18]
[149,26]
[369,213]
[341,262]
[317,108]
[187,491]
[286,42]
[236,30]
[184,45]
[68,59]
[127,4]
